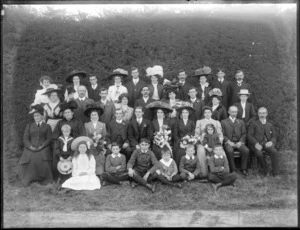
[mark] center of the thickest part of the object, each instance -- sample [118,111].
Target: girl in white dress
[84,167]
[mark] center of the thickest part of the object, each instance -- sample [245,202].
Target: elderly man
[82,101]
[234,132]
[262,137]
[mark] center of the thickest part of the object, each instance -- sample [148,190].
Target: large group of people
[144,129]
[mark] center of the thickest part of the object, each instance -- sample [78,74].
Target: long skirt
[86,182]
[37,169]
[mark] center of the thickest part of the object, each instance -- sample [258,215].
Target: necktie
[139,121]
[38,124]
[221,81]
[239,84]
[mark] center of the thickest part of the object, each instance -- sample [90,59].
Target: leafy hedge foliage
[58,44]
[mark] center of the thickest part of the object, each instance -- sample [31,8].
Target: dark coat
[79,111]
[36,136]
[94,93]
[58,149]
[148,114]
[109,111]
[77,128]
[182,130]
[225,89]
[183,92]
[159,90]
[198,105]
[220,113]
[257,131]
[250,113]
[235,89]
[238,127]
[146,131]
[206,96]
[134,91]
[113,130]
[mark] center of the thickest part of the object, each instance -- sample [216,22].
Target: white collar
[188,157]
[232,119]
[52,105]
[221,79]
[40,123]
[139,119]
[146,98]
[243,104]
[217,157]
[104,101]
[63,138]
[81,98]
[94,86]
[264,121]
[119,121]
[165,162]
[240,82]
[185,120]
[182,82]
[208,119]
[193,100]
[114,156]
[154,83]
[135,79]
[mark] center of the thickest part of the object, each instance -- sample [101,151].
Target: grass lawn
[252,192]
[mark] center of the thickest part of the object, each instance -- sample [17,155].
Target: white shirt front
[155,92]
[119,121]
[244,109]
[189,157]
[232,119]
[114,92]
[114,156]
[94,86]
[135,81]
[145,99]
[139,120]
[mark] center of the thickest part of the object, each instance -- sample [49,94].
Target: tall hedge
[263,47]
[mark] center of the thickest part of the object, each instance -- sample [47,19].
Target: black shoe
[244,172]
[153,187]
[104,183]
[133,184]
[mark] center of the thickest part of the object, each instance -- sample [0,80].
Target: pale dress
[83,163]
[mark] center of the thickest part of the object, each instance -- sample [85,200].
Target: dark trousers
[164,180]
[230,156]
[114,178]
[223,178]
[273,155]
[184,176]
[138,177]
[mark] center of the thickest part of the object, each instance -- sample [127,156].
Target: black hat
[169,87]
[207,108]
[79,73]
[205,71]
[93,107]
[118,72]
[68,105]
[36,108]
[51,90]
[185,105]
[159,105]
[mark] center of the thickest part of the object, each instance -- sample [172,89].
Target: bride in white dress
[84,170]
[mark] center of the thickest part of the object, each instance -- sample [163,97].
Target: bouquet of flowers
[188,140]
[99,142]
[162,137]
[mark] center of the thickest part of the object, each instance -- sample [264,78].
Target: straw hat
[76,141]
[65,167]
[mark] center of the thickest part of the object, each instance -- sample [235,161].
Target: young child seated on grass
[115,167]
[189,166]
[167,171]
[62,155]
[219,170]
[142,165]
[210,139]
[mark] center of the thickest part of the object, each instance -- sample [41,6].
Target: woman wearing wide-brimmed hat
[52,109]
[67,109]
[219,111]
[96,130]
[36,160]
[115,90]
[46,82]
[183,127]
[84,166]
[204,88]
[75,79]
[155,85]
[161,124]
[123,105]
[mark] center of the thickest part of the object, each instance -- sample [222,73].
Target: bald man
[82,101]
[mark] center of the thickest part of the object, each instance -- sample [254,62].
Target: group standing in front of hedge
[144,129]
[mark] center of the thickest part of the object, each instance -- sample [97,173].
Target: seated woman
[183,127]
[52,109]
[36,160]
[161,127]
[75,79]
[96,130]
[123,105]
[219,112]
[84,166]
[200,132]
[45,82]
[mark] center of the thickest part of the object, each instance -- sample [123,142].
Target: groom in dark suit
[82,101]
[184,86]
[139,128]
[145,100]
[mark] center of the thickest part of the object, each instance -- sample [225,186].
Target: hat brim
[204,74]
[190,109]
[88,111]
[79,139]
[159,105]
[244,93]
[65,167]
[80,73]
[51,91]
[110,77]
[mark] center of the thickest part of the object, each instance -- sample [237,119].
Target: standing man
[145,100]
[221,83]
[93,88]
[262,136]
[184,87]
[134,87]
[139,128]
[82,101]
[197,104]
[234,132]
[108,106]
[236,86]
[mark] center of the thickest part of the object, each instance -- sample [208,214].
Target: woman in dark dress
[219,111]
[184,127]
[36,160]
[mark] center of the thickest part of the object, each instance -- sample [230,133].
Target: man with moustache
[145,100]
[183,86]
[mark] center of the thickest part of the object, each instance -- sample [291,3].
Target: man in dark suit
[145,100]
[109,107]
[234,132]
[117,131]
[82,102]
[236,86]
[139,128]
[221,83]
[262,136]
[93,89]
[197,103]
[184,87]
[246,111]
[134,87]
